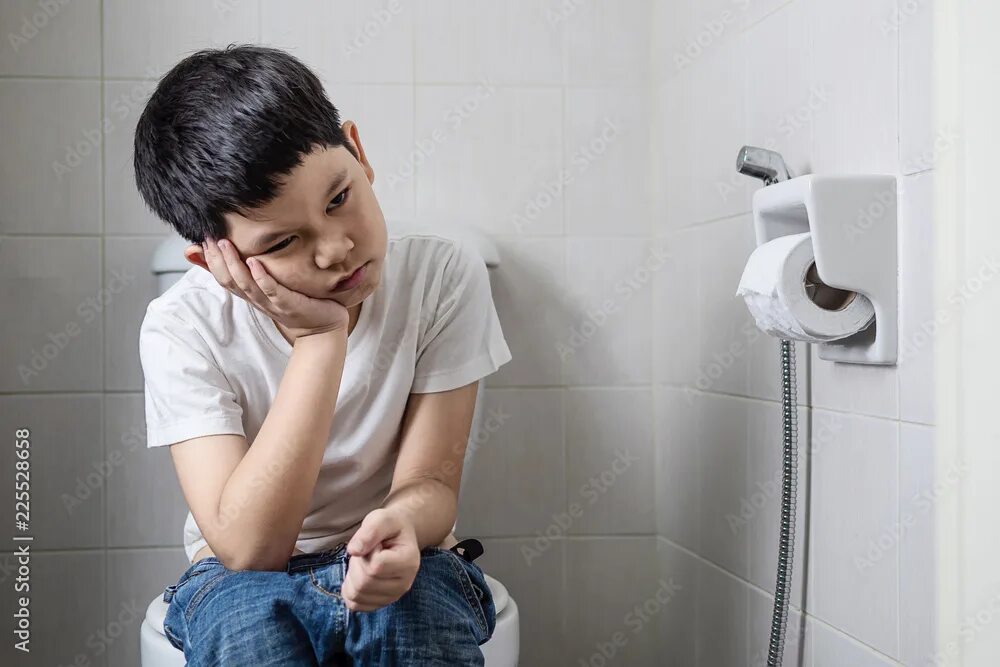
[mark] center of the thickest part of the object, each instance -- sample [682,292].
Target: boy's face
[324,223]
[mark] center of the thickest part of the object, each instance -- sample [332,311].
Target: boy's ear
[194,254]
[350,129]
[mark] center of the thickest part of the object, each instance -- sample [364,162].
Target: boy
[349,360]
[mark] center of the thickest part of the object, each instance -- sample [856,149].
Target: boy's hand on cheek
[385,557]
[302,315]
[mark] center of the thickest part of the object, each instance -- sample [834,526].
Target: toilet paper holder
[852,221]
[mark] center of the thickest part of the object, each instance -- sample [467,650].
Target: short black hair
[221,128]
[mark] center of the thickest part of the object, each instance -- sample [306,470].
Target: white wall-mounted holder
[852,220]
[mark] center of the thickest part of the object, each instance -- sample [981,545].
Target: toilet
[503,646]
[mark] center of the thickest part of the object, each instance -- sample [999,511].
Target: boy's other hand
[385,557]
[300,314]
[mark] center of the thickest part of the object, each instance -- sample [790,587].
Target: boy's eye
[338,200]
[281,244]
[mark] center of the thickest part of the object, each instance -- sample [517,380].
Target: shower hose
[786,541]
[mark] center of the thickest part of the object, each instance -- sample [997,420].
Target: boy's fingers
[268,285]
[388,564]
[385,568]
[237,269]
[247,281]
[217,264]
[372,586]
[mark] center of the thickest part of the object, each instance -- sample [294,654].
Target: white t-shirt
[212,364]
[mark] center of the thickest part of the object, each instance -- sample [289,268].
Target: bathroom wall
[623,482]
[836,87]
[527,121]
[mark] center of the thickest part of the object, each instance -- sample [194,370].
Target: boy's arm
[250,502]
[428,472]
[422,503]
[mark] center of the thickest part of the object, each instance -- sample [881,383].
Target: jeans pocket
[483,594]
[185,596]
[192,572]
[471,584]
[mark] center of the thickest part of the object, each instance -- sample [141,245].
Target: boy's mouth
[352,280]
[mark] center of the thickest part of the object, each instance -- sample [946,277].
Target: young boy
[314,379]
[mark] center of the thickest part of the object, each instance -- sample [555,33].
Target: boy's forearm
[267,497]
[429,505]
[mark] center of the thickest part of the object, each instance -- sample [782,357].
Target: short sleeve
[464,343]
[186,394]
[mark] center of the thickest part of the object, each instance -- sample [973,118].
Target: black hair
[221,129]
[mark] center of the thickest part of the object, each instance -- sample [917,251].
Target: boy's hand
[385,557]
[300,314]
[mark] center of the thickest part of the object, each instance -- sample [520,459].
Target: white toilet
[502,648]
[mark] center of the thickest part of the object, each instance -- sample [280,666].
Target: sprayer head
[767,165]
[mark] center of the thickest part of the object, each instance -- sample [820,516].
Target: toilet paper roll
[775,290]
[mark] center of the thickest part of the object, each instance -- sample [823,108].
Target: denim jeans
[296,616]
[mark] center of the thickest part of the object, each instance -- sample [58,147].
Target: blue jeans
[296,616]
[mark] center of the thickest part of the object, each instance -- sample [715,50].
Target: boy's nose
[332,252]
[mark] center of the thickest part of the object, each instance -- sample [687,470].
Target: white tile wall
[835,87]
[490,157]
[370,42]
[458,41]
[609,289]
[503,497]
[50,177]
[609,480]
[51,38]
[54,344]
[612,603]
[142,40]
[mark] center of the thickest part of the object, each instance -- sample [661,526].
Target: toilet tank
[169,264]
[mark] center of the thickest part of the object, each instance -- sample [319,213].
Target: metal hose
[789,488]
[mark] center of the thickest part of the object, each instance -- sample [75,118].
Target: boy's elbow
[242,557]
